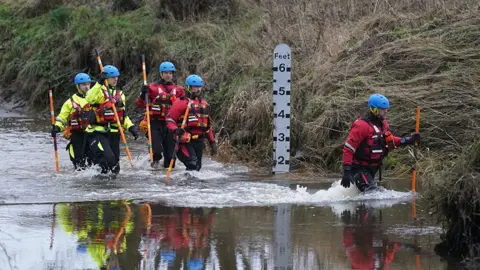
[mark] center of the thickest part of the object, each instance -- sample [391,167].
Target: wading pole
[177,143]
[414,171]
[147,110]
[120,128]
[52,114]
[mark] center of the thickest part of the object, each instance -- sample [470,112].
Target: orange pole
[123,224]
[414,209]
[414,179]
[52,114]
[120,128]
[174,155]
[414,171]
[417,258]
[144,70]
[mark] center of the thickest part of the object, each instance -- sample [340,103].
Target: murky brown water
[220,218]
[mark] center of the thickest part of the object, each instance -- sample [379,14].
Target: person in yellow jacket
[103,135]
[72,121]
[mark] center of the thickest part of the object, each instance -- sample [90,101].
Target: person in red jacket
[368,142]
[161,95]
[198,124]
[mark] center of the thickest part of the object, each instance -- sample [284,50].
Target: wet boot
[154,164]
[116,169]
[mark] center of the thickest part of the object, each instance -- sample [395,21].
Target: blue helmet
[110,71]
[168,256]
[195,264]
[82,78]
[194,80]
[378,101]
[166,67]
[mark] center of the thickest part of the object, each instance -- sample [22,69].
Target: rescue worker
[72,120]
[103,134]
[368,142]
[198,125]
[161,95]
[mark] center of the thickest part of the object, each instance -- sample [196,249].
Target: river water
[220,218]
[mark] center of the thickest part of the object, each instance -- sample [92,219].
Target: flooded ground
[219,218]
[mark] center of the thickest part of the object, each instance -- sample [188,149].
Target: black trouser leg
[114,140]
[157,139]
[364,177]
[168,146]
[191,154]
[199,145]
[76,149]
[101,151]
[186,154]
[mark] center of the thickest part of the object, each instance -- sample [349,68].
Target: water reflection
[126,235]
[366,244]
[117,235]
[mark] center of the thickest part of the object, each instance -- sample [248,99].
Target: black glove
[347,178]
[55,130]
[133,130]
[213,148]
[101,78]
[144,91]
[411,139]
[179,131]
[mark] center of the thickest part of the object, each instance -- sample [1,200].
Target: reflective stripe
[60,120]
[376,129]
[377,151]
[350,147]
[72,153]
[169,120]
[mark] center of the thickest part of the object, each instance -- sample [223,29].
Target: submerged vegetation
[418,53]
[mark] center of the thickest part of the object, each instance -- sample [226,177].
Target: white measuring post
[282,74]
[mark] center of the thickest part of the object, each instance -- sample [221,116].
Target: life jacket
[78,118]
[104,112]
[198,116]
[373,149]
[162,103]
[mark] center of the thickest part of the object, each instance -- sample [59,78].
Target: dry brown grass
[417,53]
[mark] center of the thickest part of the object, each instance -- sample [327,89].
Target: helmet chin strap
[192,94]
[374,112]
[80,90]
[196,94]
